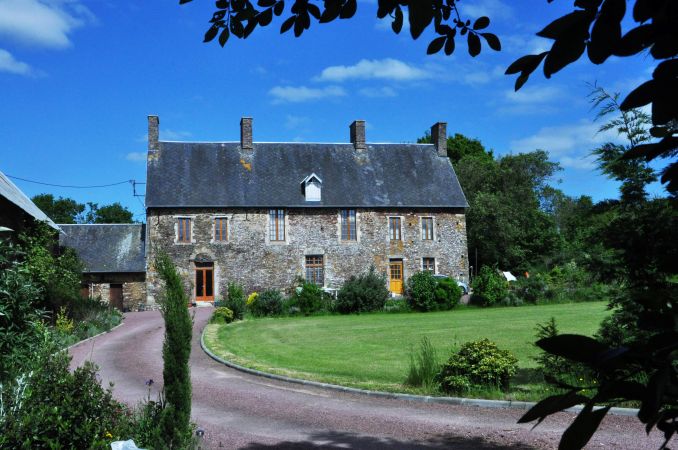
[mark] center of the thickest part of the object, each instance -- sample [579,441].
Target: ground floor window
[204,281]
[428,264]
[315,269]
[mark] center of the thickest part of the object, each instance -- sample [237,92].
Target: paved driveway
[238,410]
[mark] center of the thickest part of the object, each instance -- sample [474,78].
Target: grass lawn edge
[395,395]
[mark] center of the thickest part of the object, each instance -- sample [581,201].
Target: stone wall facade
[133,288]
[248,256]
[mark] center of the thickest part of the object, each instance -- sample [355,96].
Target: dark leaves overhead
[241,17]
[595,26]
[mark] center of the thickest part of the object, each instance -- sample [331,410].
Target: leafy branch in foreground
[241,17]
[595,27]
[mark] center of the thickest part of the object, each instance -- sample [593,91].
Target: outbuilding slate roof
[16,196]
[107,247]
[183,174]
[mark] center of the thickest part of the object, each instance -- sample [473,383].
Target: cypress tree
[175,429]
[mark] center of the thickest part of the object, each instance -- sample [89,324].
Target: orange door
[204,283]
[396,276]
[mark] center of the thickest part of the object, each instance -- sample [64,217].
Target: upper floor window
[315,269]
[348,225]
[427,228]
[394,231]
[276,225]
[220,229]
[184,230]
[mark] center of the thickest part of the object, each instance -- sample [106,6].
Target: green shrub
[20,318]
[447,293]
[60,409]
[222,315]
[175,427]
[481,363]
[420,292]
[532,289]
[268,303]
[309,299]
[424,366]
[396,305]
[489,287]
[235,300]
[362,293]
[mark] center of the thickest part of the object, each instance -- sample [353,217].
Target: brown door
[395,270]
[84,291]
[204,282]
[115,296]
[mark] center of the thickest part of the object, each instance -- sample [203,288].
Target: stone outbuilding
[264,214]
[114,259]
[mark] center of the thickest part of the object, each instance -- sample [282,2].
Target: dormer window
[311,187]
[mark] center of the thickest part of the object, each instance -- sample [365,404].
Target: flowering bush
[222,315]
[268,303]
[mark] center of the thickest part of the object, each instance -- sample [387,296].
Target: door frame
[207,270]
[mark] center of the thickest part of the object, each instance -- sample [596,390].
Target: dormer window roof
[311,188]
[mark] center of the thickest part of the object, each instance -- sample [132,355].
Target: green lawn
[372,350]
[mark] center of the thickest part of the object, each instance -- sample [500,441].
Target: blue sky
[79,77]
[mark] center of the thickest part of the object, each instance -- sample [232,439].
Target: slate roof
[183,174]
[16,196]
[107,247]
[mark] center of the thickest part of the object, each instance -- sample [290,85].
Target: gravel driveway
[238,410]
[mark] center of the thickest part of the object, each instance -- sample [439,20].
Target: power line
[71,186]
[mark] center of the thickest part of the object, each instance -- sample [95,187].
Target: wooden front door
[115,296]
[204,282]
[395,271]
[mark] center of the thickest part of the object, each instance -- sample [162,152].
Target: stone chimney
[358,135]
[153,133]
[246,133]
[439,138]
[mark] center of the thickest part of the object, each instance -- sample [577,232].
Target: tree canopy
[68,211]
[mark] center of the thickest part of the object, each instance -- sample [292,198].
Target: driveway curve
[243,411]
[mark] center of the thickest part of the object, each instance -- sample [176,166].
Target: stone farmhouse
[265,214]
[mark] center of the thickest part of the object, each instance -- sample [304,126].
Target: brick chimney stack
[153,133]
[246,133]
[439,138]
[358,135]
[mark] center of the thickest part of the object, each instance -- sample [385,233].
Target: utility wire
[70,186]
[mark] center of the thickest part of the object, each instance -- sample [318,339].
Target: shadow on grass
[337,440]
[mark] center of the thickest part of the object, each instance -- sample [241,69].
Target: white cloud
[494,9]
[136,156]
[297,94]
[380,92]
[570,145]
[42,23]
[525,44]
[380,69]
[11,65]
[533,94]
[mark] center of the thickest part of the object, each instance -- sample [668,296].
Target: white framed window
[428,264]
[427,232]
[184,230]
[395,228]
[349,228]
[221,229]
[315,269]
[276,225]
